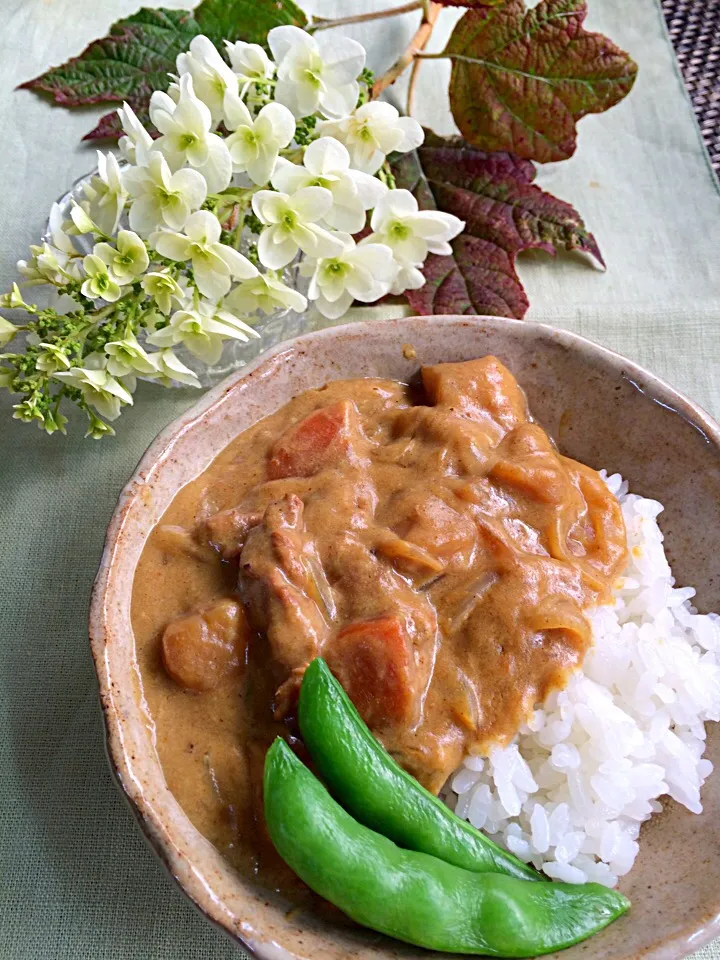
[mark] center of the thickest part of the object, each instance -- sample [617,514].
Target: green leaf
[521,79]
[504,214]
[139,53]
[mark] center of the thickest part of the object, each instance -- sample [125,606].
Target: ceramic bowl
[603,410]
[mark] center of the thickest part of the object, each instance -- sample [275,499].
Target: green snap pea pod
[412,896]
[366,780]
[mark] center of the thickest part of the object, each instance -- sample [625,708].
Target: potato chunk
[479,389]
[199,650]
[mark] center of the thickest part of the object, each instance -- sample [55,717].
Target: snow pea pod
[412,896]
[376,790]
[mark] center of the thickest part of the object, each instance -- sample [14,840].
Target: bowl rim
[691,937]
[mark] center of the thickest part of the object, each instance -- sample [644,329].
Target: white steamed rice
[570,793]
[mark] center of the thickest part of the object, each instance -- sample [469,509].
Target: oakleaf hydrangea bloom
[254,144]
[364,272]
[163,288]
[214,82]
[292,225]
[214,264]
[186,138]
[372,132]
[161,197]
[127,357]
[272,157]
[99,283]
[98,388]
[327,164]
[128,260]
[250,63]
[51,358]
[316,74]
[202,330]
[47,265]
[106,194]
[411,233]
[267,293]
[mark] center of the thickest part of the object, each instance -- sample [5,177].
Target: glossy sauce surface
[430,542]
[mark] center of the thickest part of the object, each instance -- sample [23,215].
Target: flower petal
[276,253]
[280,120]
[282,40]
[239,266]
[339,101]
[269,206]
[217,170]
[311,203]
[192,185]
[336,309]
[412,132]
[203,227]
[326,155]
[344,59]
[174,246]
[210,282]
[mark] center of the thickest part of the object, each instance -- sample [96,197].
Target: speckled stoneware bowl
[602,410]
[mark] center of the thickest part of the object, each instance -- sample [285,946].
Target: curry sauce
[431,543]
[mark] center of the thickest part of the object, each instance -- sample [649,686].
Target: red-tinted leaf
[139,53]
[478,278]
[504,214]
[521,79]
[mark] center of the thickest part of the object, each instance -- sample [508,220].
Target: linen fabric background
[77,878]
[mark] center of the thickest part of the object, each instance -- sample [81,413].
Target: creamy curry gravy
[431,543]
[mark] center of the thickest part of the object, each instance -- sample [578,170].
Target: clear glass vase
[273,329]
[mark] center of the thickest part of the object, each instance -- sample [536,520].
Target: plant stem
[324,23]
[431,12]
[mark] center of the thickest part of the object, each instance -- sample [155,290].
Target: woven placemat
[694,27]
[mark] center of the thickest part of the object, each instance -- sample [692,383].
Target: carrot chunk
[323,437]
[371,659]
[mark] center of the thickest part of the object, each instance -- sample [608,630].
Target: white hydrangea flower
[255,143]
[48,265]
[106,194]
[316,74]
[51,358]
[98,388]
[162,197]
[411,233]
[127,260]
[170,368]
[186,135]
[359,272]
[203,329]
[292,225]
[372,132]
[327,164]
[264,292]
[99,283]
[213,80]
[127,357]
[214,264]
[137,143]
[250,63]
[163,288]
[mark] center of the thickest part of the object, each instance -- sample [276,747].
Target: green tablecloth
[76,879]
